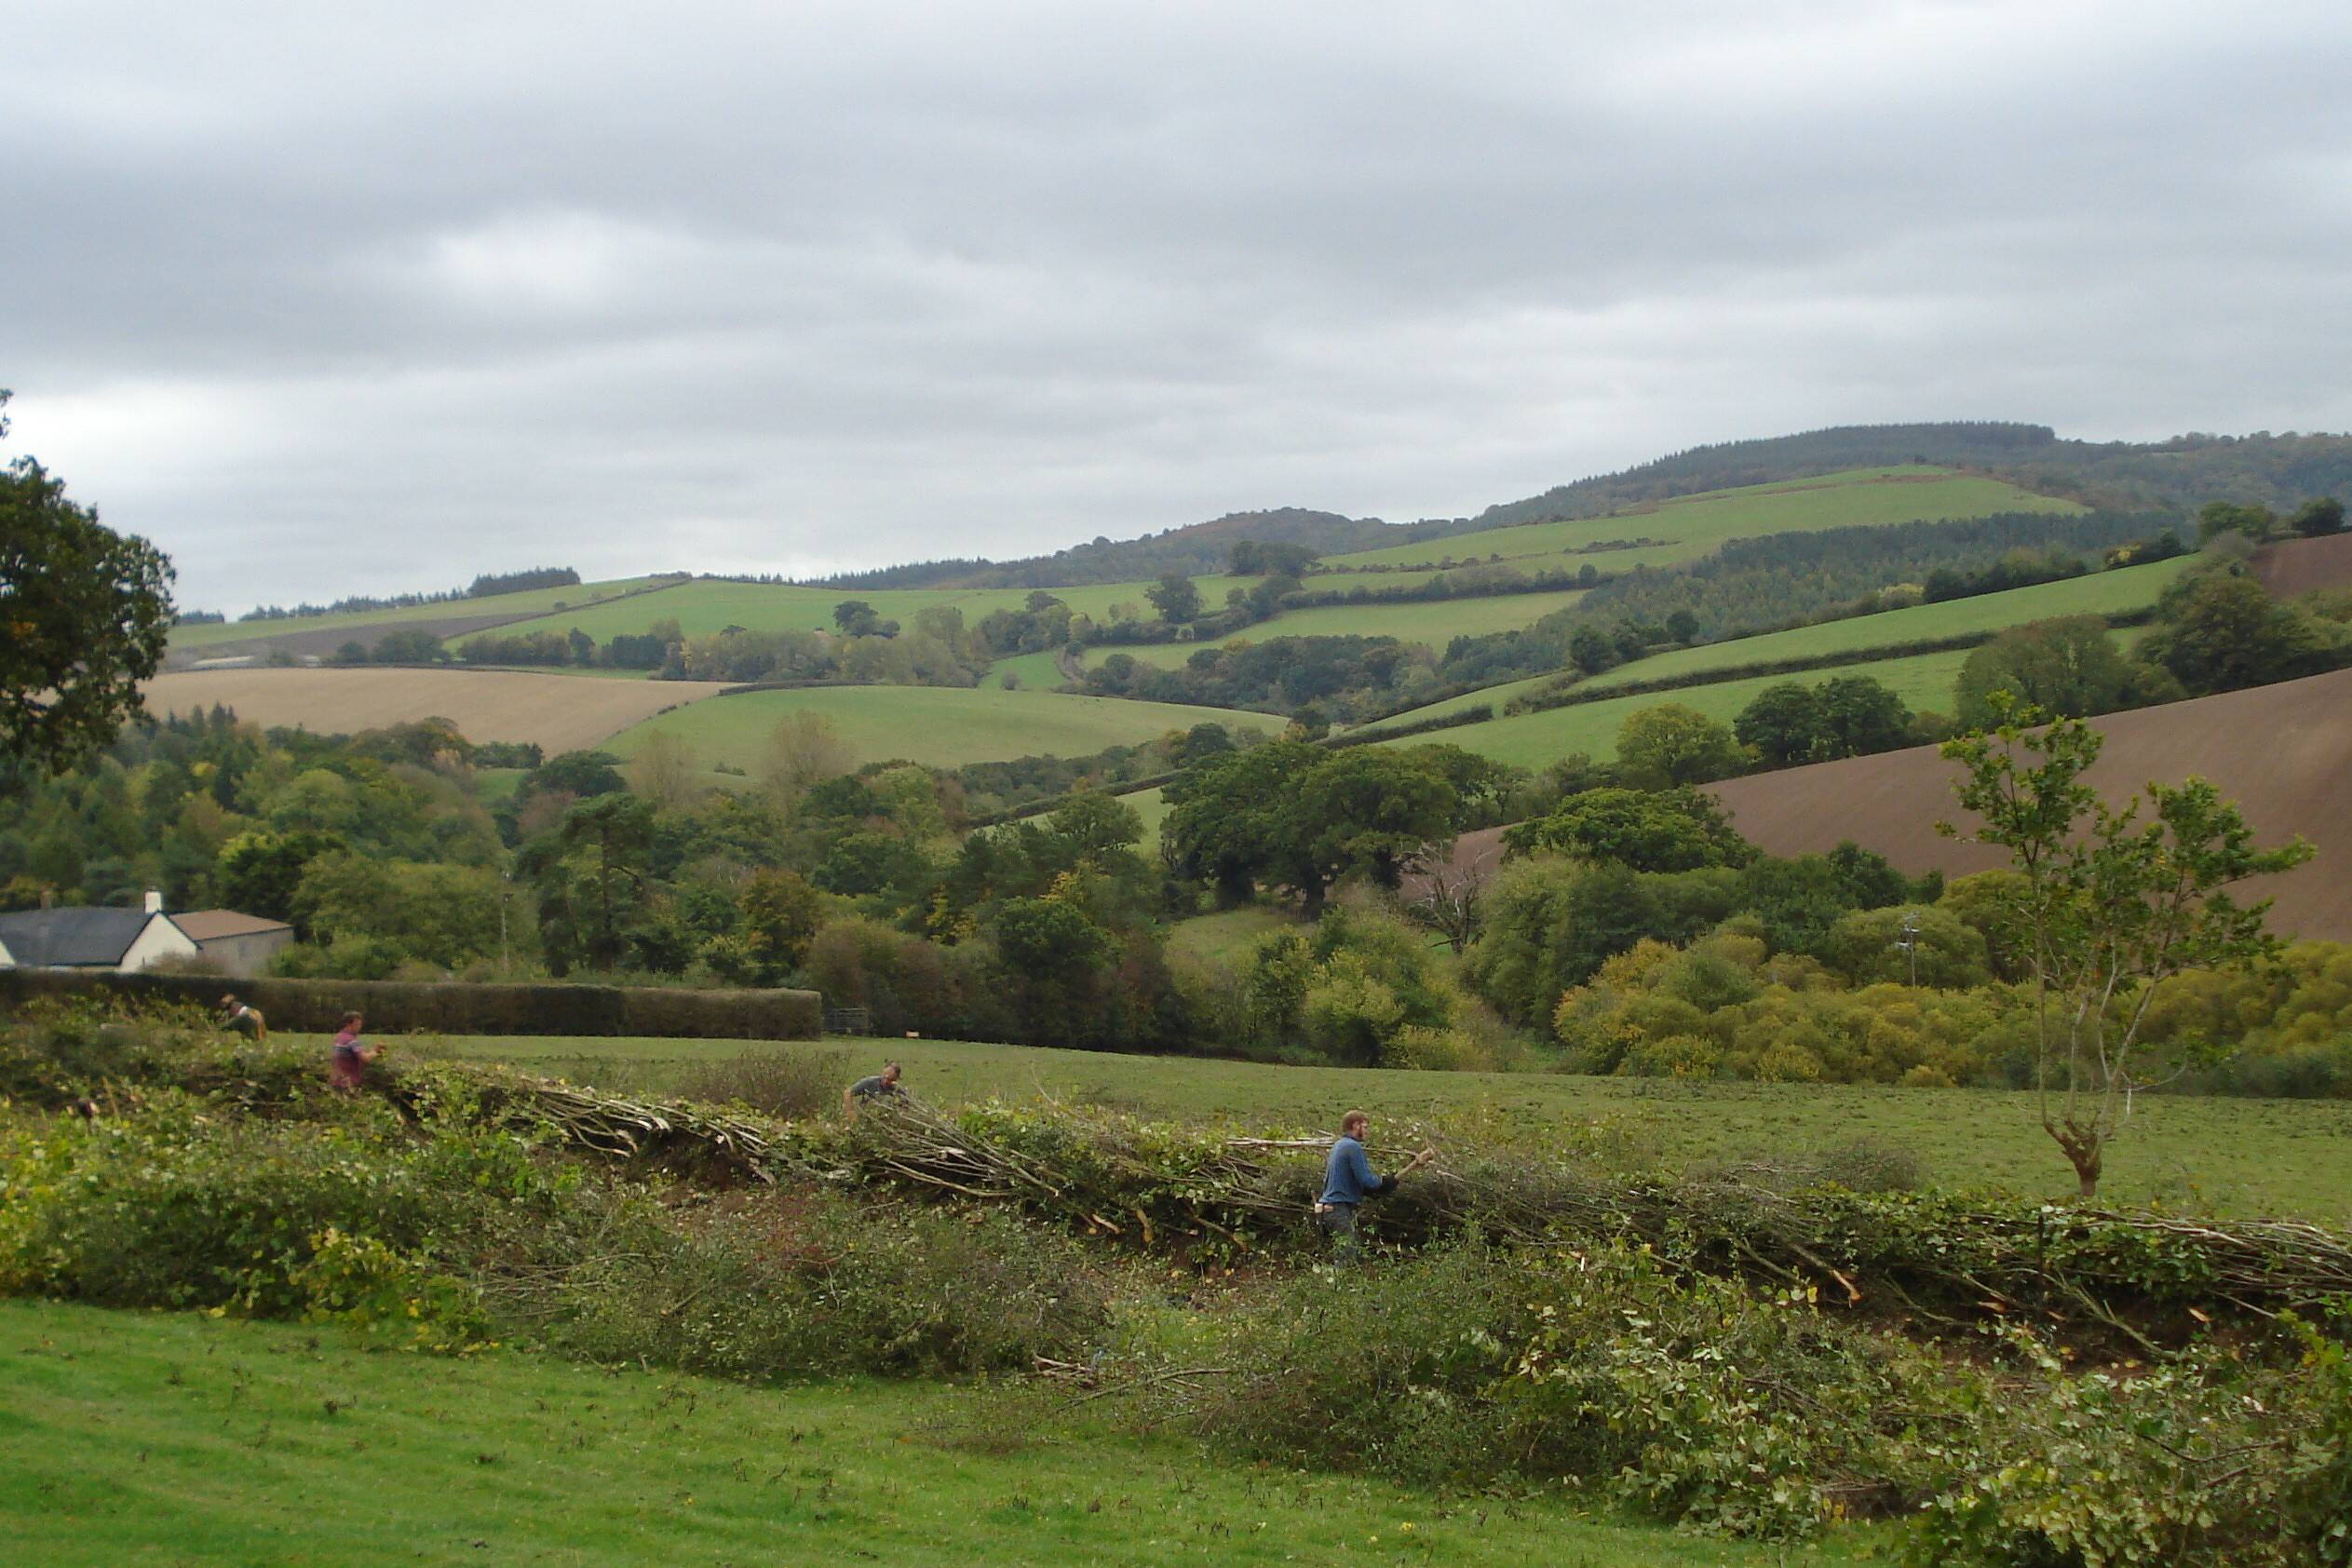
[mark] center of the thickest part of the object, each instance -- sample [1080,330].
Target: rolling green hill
[708,606]
[1694,525]
[531,602]
[941,726]
[1534,740]
[1436,622]
[2101,593]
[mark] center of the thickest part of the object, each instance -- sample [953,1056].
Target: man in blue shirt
[1348,1180]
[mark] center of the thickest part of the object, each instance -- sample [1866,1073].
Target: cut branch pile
[1941,1256]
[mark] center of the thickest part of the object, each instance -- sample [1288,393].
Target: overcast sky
[330,304]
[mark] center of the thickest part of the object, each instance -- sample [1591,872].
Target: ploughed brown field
[2282,752]
[561,712]
[2305,565]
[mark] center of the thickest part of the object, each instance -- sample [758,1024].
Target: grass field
[1036,673]
[2291,1157]
[939,726]
[561,712]
[707,606]
[144,1437]
[1532,740]
[2100,593]
[1436,623]
[529,603]
[1223,936]
[1697,524]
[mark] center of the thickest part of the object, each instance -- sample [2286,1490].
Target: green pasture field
[1152,807]
[1534,740]
[1435,622]
[150,1438]
[2239,1156]
[1225,935]
[939,726]
[530,601]
[2100,593]
[707,606]
[1699,524]
[1036,673]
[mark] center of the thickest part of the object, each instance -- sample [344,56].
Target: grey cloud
[327,304]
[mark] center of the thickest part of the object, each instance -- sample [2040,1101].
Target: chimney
[154,901]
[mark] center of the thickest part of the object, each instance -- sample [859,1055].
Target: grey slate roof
[41,938]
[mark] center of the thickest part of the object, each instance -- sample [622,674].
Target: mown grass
[2241,1156]
[941,726]
[530,601]
[137,1438]
[1695,525]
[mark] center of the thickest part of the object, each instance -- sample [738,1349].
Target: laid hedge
[449,1008]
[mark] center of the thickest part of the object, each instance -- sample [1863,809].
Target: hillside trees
[1176,597]
[1296,816]
[86,612]
[2068,666]
[1848,716]
[1669,745]
[2110,904]
[1648,831]
[2220,630]
[2318,518]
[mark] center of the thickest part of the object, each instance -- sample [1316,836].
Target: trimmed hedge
[449,1008]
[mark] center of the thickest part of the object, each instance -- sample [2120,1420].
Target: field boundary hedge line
[1583,691]
[458,1007]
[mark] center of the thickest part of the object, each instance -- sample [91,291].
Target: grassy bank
[144,1437]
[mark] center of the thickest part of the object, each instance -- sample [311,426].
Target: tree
[2110,903]
[1670,744]
[410,645]
[2318,518]
[2221,632]
[2067,665]
[615,832]
[1096,824]
[1681,626]
[1650,831]
[1224,815]
[779,917]
[1784,723]
[2219,517]
[665,771]
[1591,650]
[1367,811]
[87,613]
[802,751]
[1861,715]
[1176,597]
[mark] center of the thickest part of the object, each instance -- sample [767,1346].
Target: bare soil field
[2282,752]
[561,712]
[2305,565]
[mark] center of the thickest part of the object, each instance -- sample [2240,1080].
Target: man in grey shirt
[1348,1180]
[881,1085]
